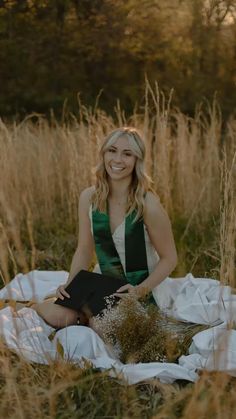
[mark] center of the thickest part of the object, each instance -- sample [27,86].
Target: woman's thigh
[55,315]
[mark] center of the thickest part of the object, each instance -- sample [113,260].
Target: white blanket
[197,300]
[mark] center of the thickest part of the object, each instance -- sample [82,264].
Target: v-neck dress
[119,241]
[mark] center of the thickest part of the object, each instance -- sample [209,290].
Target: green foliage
[55,244]
[51,50]
[198,248]
[93,398]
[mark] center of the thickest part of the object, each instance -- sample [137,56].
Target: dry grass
[44,165]
[140,332]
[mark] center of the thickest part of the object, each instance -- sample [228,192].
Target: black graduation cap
[88,292]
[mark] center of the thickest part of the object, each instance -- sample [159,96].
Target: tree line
[51,50]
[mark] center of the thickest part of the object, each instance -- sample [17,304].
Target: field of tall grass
[44,164]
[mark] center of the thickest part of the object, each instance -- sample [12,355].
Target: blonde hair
[141,182]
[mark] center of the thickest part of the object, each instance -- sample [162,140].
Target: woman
[122,220]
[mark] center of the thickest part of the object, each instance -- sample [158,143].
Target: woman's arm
[160,232]
[84,252]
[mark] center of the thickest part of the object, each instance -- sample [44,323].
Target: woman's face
[119,159]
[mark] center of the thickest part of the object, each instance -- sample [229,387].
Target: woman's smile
[117,169]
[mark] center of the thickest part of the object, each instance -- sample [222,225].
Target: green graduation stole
[135,249]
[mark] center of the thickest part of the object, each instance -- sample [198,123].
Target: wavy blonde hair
[141,182]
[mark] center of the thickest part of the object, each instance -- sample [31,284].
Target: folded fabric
[35,285]
[214,348]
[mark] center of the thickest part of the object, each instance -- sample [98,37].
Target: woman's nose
[117,157]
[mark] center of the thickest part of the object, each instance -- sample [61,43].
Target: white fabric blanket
[197,300]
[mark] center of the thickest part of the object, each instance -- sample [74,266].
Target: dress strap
[135,248]
[107,255]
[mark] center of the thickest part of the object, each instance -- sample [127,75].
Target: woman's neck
[119,190]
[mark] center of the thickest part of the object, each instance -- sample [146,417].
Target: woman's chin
[118,176]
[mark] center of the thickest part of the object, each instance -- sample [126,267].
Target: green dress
[128,252]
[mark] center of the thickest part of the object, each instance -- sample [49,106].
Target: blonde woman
[122,220]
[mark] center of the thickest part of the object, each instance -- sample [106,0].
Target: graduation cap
[88,292]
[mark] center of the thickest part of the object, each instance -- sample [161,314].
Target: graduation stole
[135,249]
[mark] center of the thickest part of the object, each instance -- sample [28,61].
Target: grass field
[44,166]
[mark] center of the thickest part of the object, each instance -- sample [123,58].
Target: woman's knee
[56,316]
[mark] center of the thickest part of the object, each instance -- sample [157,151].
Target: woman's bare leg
[55,315]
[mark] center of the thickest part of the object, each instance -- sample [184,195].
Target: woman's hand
[137,291]
[124,290]
[61,292]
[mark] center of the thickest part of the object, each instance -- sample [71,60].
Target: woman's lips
[117,169]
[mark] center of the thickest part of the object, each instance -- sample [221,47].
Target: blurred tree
[52,49]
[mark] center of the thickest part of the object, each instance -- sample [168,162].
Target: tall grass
[44,165]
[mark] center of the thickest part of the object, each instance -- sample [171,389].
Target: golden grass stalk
[44,166]
[228,222]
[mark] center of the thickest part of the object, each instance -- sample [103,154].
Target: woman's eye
[128,154]
[111,150]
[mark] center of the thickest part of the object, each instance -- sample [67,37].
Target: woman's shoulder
[151,198]
[86,196]
[153,206]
